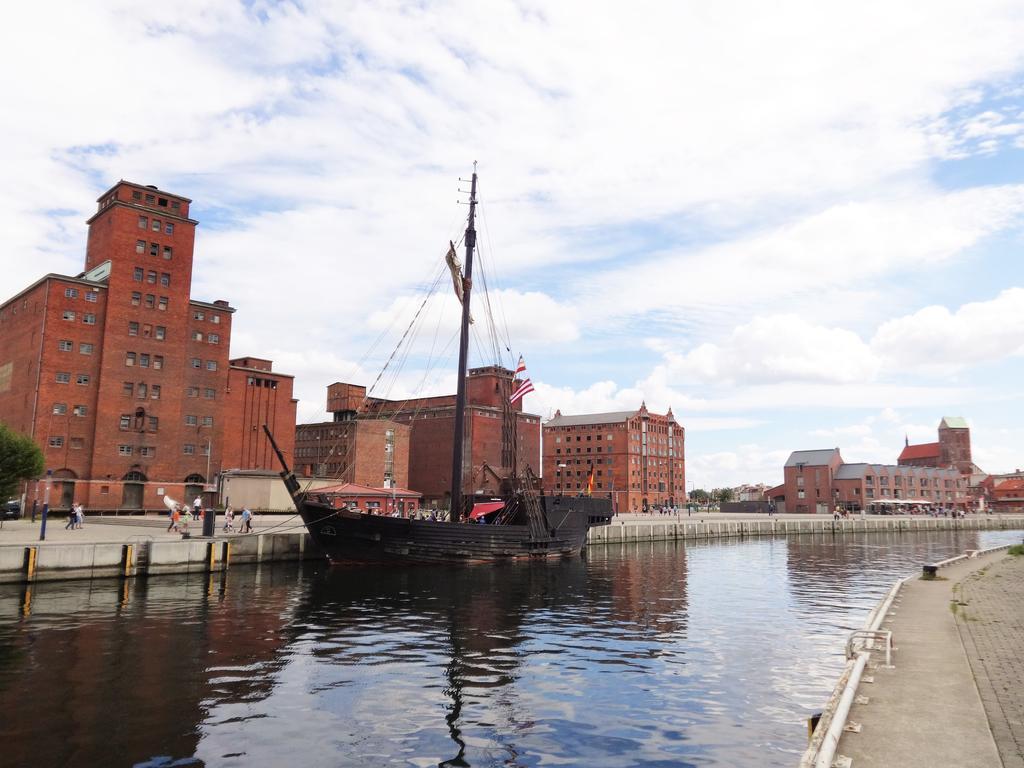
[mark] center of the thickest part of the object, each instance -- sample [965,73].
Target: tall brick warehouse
[430,422]
[123,378]
[636,457]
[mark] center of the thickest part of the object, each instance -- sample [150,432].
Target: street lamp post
[317,471]
[46,505]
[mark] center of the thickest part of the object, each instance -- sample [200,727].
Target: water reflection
[651,655]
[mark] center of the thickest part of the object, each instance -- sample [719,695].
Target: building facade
[819,481]
[423,432]
[119,374]
[953,448]
[636,458]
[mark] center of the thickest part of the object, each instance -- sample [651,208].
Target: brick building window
[168,253]
[169,228]
[154,249]
[124,450]
[68,315]
[197,335]
[157,225]
[214,318]
[56,442]
[92,296]
[165,279]
[63,378]
[144,360]
[150,300]
[153,423]
[142,392]
[82,378]
[138,274]
[196,362]
[175,205]
[211,365]
[85,349]
[128,388]
[191,420]
[209,393]
[161,333]
[188,449]
[207,421]
[158,362]
[197,315]
[77,443]
[147,450]
[213,338]
[89,319]
[79,410]
[125,421]
[65,345]
[71,293]
[140,246]
[136,298]
[151,277]
[192,392]
[154,391]
[150,198]
[162,304]
[129,358]
[143,222]
[60,408]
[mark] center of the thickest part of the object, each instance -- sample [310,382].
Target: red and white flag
[525,386]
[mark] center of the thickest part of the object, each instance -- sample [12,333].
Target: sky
[798,225]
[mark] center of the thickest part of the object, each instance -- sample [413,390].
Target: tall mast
[460,398]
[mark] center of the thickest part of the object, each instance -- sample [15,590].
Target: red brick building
[119,374]
[382,501]
[953,448]
[362,450]
[430,422]
[637,458]
[821,482]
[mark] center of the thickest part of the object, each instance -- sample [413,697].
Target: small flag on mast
[526,385]
[590,482]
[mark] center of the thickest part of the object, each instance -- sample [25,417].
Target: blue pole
[46,505]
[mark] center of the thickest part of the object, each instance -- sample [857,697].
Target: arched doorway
[133,490]
[194,485]
[64,485]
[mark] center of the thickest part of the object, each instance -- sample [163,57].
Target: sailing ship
[522,523]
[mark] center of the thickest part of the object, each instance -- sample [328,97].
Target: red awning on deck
[485,508]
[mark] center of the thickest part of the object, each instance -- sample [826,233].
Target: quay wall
[688,528]
[142,557]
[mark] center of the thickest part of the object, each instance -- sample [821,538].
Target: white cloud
[940,340]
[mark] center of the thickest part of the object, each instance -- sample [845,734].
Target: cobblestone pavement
[991,623]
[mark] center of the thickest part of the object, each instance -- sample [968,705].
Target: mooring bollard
[929,571]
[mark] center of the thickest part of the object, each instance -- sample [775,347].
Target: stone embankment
[141,546]
[949,688]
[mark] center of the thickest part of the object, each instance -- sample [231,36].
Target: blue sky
[799,226]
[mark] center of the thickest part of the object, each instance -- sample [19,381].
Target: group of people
[180,519]
[76,517]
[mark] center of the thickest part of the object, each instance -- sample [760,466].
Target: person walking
[229,518]
[175,517]
[197,506]
[80,515]
[246,520]
[72,517]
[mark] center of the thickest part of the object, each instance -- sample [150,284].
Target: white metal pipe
[835,727]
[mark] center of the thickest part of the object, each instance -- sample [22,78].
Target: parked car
[11,510]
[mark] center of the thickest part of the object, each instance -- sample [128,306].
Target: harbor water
[656,654]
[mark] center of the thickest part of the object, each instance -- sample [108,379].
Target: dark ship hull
[350,536]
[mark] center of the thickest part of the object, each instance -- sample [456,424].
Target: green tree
[723,495]
[700,496]
[20,459]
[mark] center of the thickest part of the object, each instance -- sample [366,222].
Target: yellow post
[126,560]
[210,556]
[225,555]
[30,563]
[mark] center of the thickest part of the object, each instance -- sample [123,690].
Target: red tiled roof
[921,451]
[1016,484]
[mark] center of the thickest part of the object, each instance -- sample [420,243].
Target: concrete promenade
[926,710]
